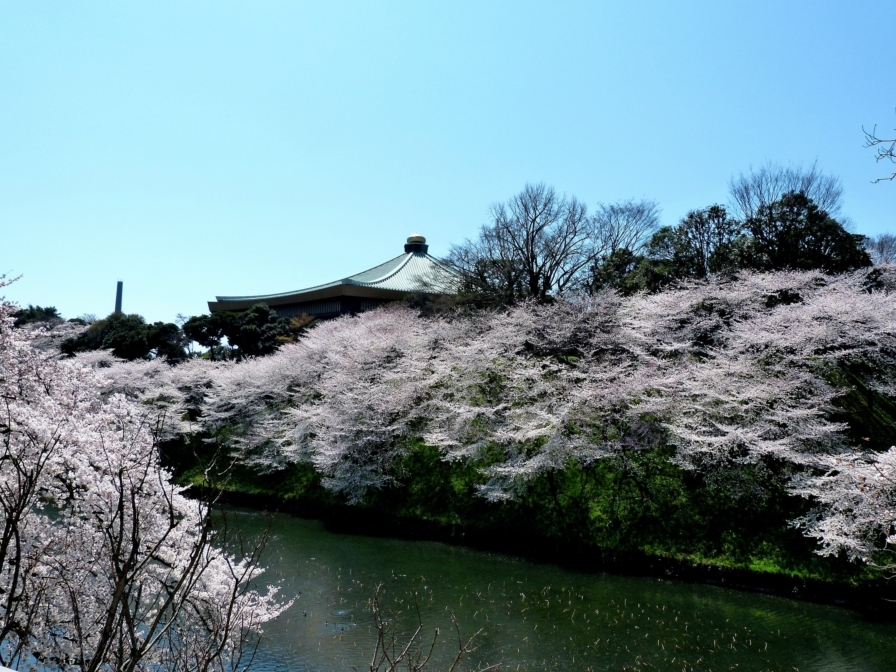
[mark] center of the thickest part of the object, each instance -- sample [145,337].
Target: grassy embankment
[648,516]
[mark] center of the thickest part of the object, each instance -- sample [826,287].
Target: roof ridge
[439,263]
[390,276]
[407,257]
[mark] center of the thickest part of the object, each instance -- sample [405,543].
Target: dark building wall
[345,305]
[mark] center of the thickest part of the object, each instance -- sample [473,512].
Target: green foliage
[33,314]
[791,233]
[129,337]
[639,503]
[795,233]
[250,333]
[165,339]
[209,330]
[870,415]
[257,330]
[705,242]
[616,271]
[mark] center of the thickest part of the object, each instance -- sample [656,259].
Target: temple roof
[411,272]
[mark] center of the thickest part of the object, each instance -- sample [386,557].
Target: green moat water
[537,616]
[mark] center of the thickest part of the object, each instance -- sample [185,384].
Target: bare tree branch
[624,225]
[538,245]
[389,656]
[762,187]
[881,249]
[886,149]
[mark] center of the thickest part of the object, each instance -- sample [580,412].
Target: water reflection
[538,617]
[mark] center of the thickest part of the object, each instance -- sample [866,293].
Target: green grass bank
[641,515]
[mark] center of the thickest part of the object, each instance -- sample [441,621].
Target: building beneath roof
[410,273]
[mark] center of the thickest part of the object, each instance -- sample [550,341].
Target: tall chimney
[118,296]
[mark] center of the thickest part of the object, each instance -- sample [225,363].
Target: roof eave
[337,291]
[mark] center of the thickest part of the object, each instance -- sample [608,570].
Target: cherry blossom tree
[104,564]
[857,512]
[737,376]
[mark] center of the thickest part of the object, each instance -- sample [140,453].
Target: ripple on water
[534,616]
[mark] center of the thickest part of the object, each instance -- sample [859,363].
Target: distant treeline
[226,335]
[539,245]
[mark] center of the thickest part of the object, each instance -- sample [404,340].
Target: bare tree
[882,249]
[490,274]
[768,184]
[412,654]
[886,149]
[624,225]
[538,244]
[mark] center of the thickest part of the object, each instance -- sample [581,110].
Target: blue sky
[194,149]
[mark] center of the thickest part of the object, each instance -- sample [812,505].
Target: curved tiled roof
[413,271]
